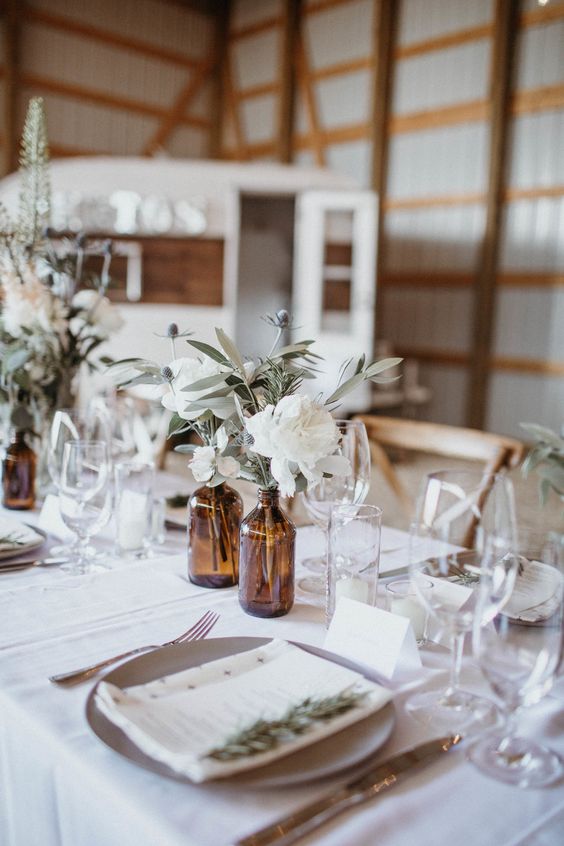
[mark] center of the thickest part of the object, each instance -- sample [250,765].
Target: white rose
[206,463]
[187,371]
[299,436]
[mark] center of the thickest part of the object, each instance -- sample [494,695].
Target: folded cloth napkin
[182,718]
[15,535]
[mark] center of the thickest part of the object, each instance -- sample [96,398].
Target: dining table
[62,786]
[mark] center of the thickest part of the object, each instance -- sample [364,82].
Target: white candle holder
[134,500]
[403,599]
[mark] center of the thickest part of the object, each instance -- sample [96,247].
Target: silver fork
[198,631]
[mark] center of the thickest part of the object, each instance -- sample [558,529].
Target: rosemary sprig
[264,735]
[11,540]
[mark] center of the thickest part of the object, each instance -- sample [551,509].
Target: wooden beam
[322,5]
[542,14]
[341,68]
[538,99]
[232,107]
[427,279]
[384,37]
[12,32]
[529,365]
[530,280]
[218,97]
[474,110]
[78,92]
[473,199]
[450,358]
[308,92]
[104,36]
[261,90]
[485,288]
[176,114]
[287,97]
[442,42]
[512,194]
[256,29]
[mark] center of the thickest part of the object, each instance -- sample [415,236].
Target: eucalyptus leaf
[383,364]
[186,449]
[231,350]
[208,382]
[345,388]
[210,351]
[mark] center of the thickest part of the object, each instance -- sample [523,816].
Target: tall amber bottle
[266,559]
[214,517]
[18,473]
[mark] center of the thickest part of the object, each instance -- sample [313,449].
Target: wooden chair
[496,452]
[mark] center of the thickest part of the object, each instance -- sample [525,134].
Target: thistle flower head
[172,330]
[166,373]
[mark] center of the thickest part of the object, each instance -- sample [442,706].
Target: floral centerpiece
[48,327]
[254,422]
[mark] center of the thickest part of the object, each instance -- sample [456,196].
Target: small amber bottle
[18,473]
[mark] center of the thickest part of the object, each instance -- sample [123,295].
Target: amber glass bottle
[18,473]
[266,559]
[214,517]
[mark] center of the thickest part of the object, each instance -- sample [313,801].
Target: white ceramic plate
[21,551]
[341,751]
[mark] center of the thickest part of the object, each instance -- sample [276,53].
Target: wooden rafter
[102,98]
[340,68]
[385,29]
[176,115]
[287,84]
[442,42]
[542,14]
[262,89]
[256,28]
[475,110]
[11,74]
[538,99]
[306,84]
[104,36]
[323,5]
[485,288]
[221,47]
[233,110]
[430,202]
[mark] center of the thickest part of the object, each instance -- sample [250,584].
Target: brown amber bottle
[266,559]
[18,473]
[214,518]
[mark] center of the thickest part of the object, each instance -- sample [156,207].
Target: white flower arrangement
[48,328]
[250,415]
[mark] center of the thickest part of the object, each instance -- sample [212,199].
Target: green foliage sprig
[264,735]
[546,457]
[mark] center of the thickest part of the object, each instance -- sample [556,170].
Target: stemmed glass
[464,537]
[519,656]
[349,489]
[85,498]
[70,424]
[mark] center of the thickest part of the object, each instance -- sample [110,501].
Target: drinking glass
[70,424]
[353,554]
[403,599]
[351,488]
[134,481]
[85,498]
[519,656]
[464,537]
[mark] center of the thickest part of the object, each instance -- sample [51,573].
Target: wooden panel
[11,36]
[177,270]
[338,254]
[427,202]
[337,295]
[428,279]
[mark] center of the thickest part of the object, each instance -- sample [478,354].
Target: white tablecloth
[60,786]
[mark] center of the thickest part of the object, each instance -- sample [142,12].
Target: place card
[50,519]
[380,640]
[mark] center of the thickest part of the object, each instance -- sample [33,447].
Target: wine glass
[464,537]
[71,424]
[348,489]
[519,656]
[85,498]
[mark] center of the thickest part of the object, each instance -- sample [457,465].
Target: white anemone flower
[207,462]
[299,436]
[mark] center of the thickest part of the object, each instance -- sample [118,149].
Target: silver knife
[289,829]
